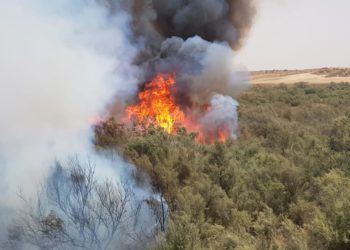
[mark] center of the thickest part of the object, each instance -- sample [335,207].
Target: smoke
[54,79]
[203,68]
[197,40]
[62,63]
[213,20]
[223,115]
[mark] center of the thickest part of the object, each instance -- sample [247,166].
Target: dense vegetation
[283,184]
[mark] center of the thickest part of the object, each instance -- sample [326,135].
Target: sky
[299,34]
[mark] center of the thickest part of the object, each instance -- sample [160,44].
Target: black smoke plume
[213,20]
[197,40]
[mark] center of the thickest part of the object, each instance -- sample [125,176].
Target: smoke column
[197,40]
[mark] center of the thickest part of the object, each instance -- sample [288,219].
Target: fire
[157,105]
[211,135]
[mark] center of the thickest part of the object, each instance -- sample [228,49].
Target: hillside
[283,184]
[311,76]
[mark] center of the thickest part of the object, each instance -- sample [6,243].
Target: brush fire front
[157,106]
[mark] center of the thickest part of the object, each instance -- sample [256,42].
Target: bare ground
[310,76]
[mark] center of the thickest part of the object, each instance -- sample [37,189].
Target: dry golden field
[311,76]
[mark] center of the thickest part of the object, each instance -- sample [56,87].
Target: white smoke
[208,75]
[223,112]
[61,64]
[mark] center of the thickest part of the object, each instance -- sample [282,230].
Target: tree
[77,211]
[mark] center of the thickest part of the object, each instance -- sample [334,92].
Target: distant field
[311,76]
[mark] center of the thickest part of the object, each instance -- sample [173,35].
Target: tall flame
[157,105]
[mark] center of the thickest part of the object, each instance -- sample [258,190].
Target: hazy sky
[291,34]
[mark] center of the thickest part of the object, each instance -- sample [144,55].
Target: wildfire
[210,135]
[157,106]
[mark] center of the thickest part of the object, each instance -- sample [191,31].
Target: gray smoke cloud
[196,39]
[203,68]
[213,20]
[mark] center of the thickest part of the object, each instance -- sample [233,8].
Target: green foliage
[182,235]
[283,184]
[340,135]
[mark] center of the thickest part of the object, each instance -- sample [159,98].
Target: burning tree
[158,106]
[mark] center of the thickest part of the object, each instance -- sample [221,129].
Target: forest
[284,183]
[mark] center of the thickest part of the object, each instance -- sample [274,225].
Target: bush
[283,184]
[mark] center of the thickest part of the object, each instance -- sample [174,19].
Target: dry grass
[311,76]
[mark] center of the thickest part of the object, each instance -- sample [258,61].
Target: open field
[311,76]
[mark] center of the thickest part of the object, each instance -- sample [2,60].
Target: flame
[210,135]
[157,105]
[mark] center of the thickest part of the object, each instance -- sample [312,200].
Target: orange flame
[210,135]
[157,105]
